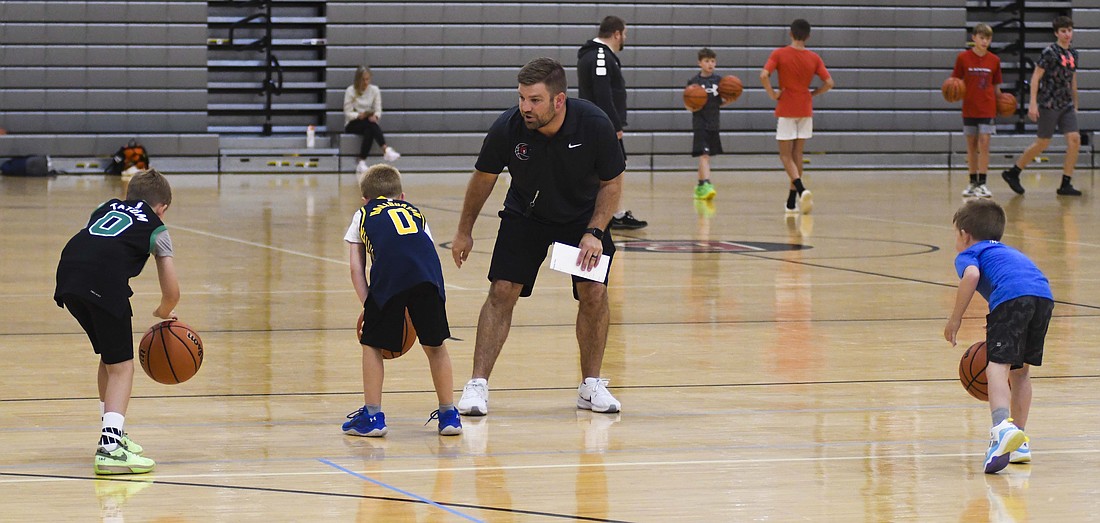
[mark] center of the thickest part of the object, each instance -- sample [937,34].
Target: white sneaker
[970,191]
[982,191]
[361,167]
[475,398]
[1021,455]
[787,211]
[806,201]
[594,396]
[391,154]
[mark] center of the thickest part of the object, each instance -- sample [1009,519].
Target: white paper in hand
[564,258]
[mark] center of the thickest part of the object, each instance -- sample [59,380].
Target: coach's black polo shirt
[564,170]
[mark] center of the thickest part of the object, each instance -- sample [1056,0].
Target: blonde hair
[360,72]
[380,180]
[151,186]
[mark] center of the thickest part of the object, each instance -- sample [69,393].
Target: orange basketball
[408,337]
[953,89]
[170,352]
[695,97]
[1006,104]
[972,371]
[730,88]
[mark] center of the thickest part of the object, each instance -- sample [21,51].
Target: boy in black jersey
[405,274]
[704,123]
[93,284]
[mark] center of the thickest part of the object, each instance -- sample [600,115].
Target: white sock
[102,408]
[111,435]
[619,214]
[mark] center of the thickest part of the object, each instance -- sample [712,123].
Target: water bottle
[311,137]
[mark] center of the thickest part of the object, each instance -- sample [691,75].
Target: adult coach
[566,167]
[600,81]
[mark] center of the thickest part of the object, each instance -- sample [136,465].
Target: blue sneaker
[1004,438]
[363,424]
[449,423]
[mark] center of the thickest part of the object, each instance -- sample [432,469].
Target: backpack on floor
[26,166]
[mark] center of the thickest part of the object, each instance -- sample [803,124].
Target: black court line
[317,493]
[550,389]
[893,277]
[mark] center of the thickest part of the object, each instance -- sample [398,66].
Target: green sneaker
[705,191]
[121,461]
[131,445]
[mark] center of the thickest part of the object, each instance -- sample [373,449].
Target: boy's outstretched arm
[968,284]
[169,288]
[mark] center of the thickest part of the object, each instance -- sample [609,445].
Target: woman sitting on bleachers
[362,110]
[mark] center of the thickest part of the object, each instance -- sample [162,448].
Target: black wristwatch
[598,233]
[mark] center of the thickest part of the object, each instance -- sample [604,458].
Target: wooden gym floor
[770,369]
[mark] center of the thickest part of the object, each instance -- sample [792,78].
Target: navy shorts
[706,142]
[112,337]
[384,327]
[1016,330]
[522,244]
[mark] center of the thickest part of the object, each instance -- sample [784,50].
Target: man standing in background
[600,81]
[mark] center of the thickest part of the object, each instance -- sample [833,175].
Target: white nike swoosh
[575,145]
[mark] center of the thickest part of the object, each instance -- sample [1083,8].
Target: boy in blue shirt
[1020,305]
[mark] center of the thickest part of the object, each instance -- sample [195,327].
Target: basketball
[730,88]
[1006,104]
[409,336]
[972,371]
[170,352]
[953,89]
[695,97]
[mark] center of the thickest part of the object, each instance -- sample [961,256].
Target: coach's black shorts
[384,327]
[706,142]
[522,244]
[1016,330]
[112,337]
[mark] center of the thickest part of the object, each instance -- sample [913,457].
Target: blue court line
[395,489]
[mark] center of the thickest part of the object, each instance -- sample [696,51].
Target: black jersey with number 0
[98,262]
[401,250]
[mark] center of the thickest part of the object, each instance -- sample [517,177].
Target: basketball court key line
[395,489]
[276,249]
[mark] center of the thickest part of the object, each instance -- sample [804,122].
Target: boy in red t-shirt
[980,70]
[797,67]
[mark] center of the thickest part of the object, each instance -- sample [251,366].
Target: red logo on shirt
[1068,61]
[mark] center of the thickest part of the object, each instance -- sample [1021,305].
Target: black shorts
[1016,330]
[112,337]
[384,327]
[706,142]
[522,244]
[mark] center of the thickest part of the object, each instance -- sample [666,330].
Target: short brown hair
[706,52]
[983,30]
[546,71]
[800,29]
[1061,21]
[151,186]
[610,25]
[983,219]
[380,180]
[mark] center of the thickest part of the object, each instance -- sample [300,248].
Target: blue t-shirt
[1005,273]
